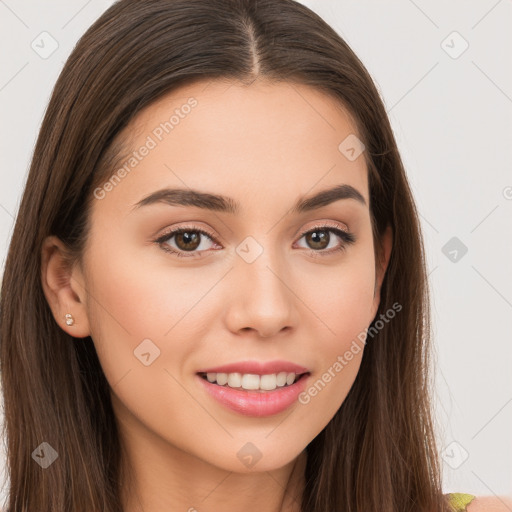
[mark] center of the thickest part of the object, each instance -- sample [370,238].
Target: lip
[258,368]
[255,403]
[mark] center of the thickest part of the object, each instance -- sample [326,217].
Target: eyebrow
[219,203]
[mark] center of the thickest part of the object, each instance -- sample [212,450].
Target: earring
[69,319]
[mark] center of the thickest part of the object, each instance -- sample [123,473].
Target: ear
[381,265]
[64,288]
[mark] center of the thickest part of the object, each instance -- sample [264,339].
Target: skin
[263,145]
[490,504]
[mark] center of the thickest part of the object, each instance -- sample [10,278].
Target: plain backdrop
[443,71]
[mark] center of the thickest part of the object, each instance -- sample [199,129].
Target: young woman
[215,295]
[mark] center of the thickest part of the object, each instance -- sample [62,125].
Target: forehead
[274,139]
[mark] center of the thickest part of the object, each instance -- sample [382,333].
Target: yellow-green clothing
[459,501]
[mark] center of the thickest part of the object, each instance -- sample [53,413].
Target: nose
[261,297]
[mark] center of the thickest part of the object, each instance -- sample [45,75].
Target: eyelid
[322,224]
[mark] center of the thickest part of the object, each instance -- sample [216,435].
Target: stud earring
[69,319]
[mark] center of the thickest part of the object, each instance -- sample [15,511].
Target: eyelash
[347,239]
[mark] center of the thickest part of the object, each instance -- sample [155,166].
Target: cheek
[342,301]
[141,296]
[340,298]
[131,303]
[345,312]
[144,329]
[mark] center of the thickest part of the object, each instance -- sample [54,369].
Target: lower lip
[256,403]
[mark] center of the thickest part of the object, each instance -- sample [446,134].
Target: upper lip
[257,368]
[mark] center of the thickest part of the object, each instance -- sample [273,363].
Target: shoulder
[490,504]
[462,502]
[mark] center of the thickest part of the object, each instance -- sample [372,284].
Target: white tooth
[250,381]
[234,380]
[281,379]
[268,382]
[222,378]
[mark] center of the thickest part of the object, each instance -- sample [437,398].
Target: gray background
[450,107]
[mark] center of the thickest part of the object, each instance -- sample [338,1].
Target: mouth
[252,381]
[256,394]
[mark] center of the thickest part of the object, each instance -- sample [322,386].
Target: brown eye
[181,241]
[187,240]
[318,239]
[320,242]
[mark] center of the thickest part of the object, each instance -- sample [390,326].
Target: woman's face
[270,282]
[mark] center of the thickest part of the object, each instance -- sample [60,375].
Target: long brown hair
[378,453]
